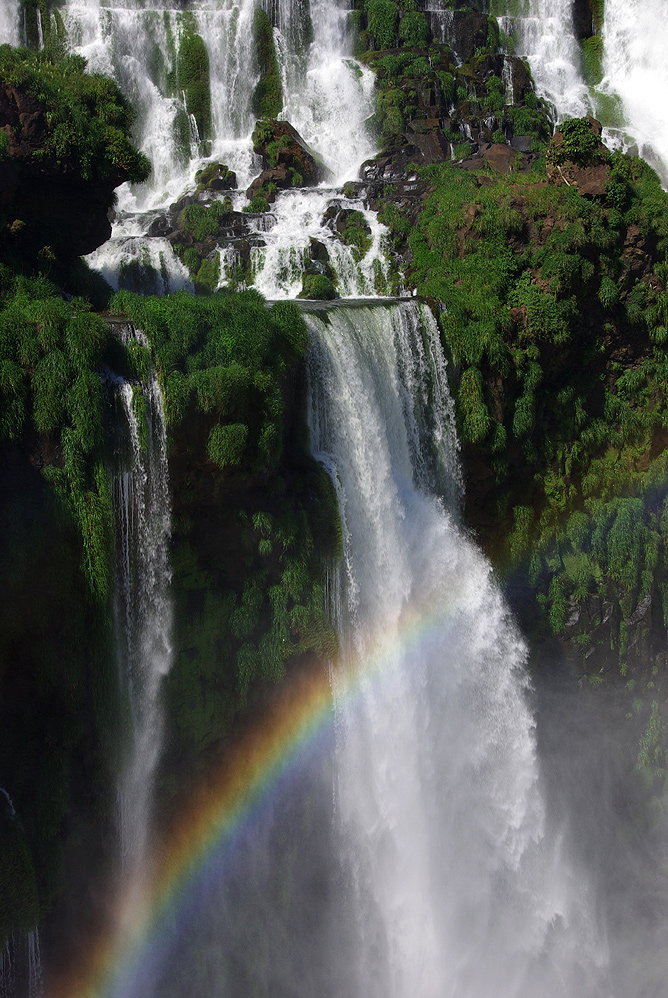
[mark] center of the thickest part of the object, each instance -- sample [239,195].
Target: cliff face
[64,148]
[48,206]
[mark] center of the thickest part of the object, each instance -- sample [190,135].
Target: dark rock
[160,226]
[318,251]
[466,32]
[57,206]
[582,18]
[521,143]
[519,78]
[499,156]
[278,175]
[291,154]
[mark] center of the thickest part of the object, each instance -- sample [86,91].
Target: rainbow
[219,811]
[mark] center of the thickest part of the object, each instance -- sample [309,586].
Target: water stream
[142,511]
[416,857]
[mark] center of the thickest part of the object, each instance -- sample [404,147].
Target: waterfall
[21,967]
[543,33]
[35,981]
[10,802]
[296,219]
[10,23]
[458,886]
[635,35]
[328,97]
[144,610]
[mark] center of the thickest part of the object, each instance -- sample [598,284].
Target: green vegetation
[248,568]
[580,145]
[413,29]
[382,19]
[318,287]
[561,342]
[48,354]
[192,70]
[204,221]
[267,99]
[89,119]
[592,60]
[215,176]
[223,357]
[357,234]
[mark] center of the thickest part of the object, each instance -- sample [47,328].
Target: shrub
[201,221]
[226,443]
[579,143]
[267,98]
[383,17]
[89,119]
[318,287]
[413,29]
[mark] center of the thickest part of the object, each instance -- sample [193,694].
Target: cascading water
[458,886]
[327,97]
[144,612]
[635,35]
[543,33]
[297,220]
[10,23]
[21,967]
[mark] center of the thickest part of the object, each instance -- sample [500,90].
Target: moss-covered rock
[288,159]
[192,70]
[267,100]
[215,177]
[318,287]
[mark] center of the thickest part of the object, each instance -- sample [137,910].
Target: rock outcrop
[49,208]
[288,160]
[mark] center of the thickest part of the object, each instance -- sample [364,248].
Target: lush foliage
[578,144]
[224,356]
[49,350]
[89,119]
[192,70]
[560,336]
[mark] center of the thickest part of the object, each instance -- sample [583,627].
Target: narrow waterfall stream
[21,966]
[142,512]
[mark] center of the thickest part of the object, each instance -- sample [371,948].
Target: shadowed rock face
[45,202]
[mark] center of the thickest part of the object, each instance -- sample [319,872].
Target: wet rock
[160,226]
[284,150]
[279,176]
[466,32]
[518,79]
[521,143]
[215,177]
[318,251]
